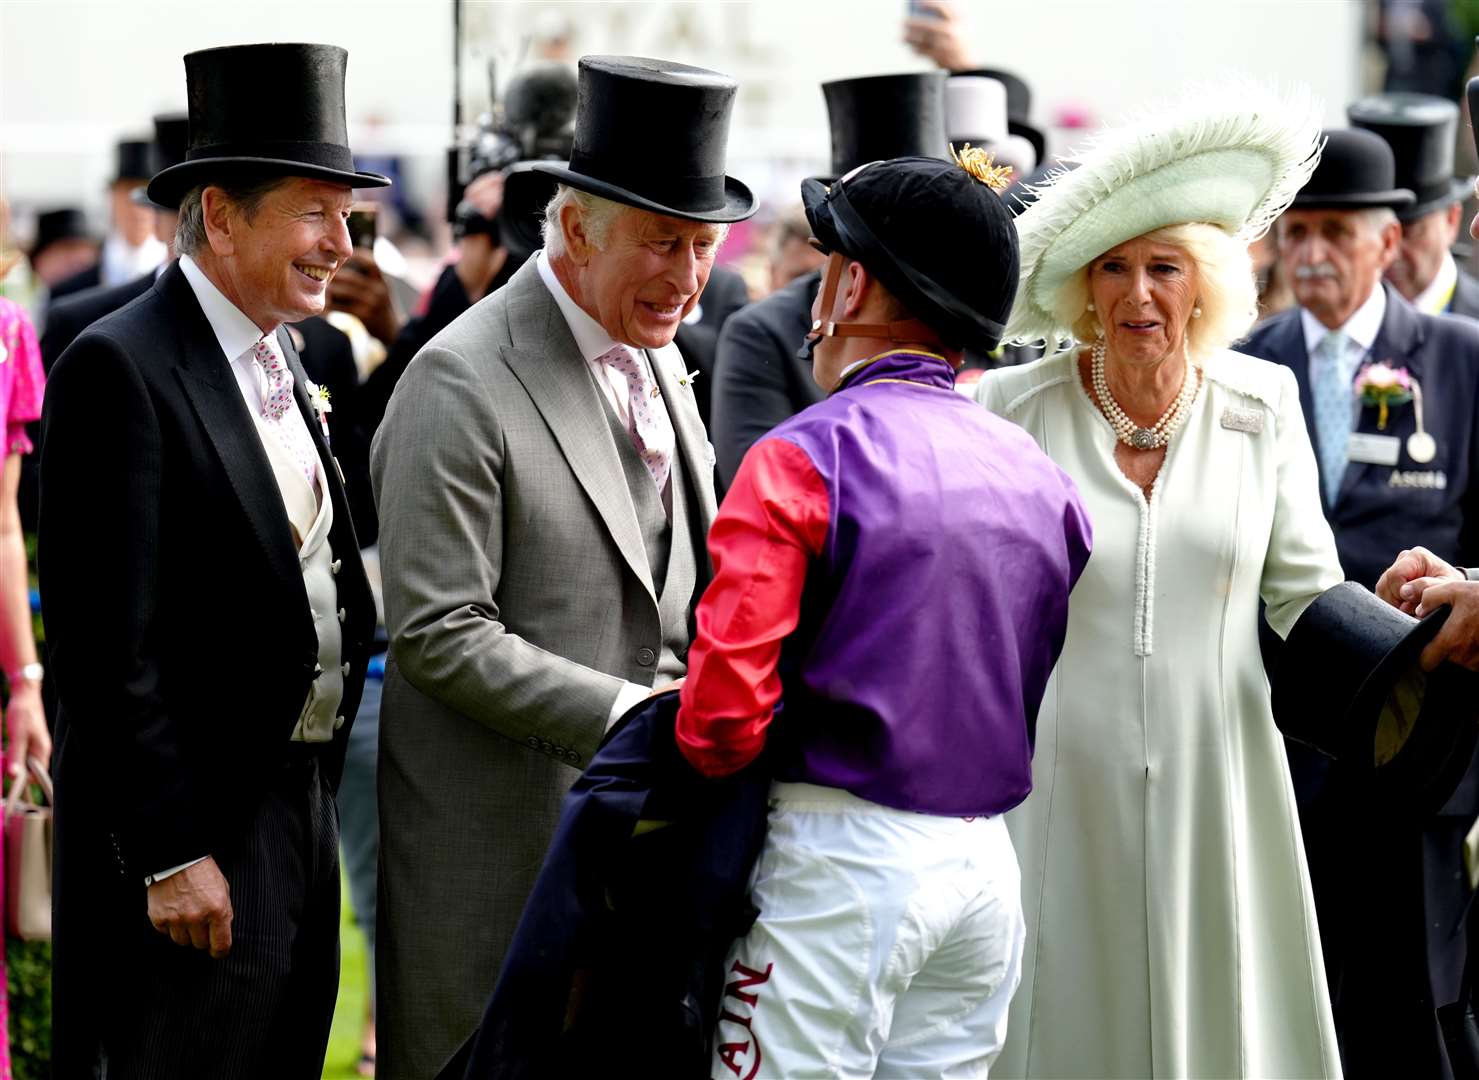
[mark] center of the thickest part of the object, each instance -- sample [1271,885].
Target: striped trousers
[265,1009]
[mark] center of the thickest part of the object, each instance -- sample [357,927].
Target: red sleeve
[773,521]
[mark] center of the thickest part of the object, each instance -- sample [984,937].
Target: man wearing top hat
[1421,129]
[1391,397]
[759,378]
[130,248]
[207,653]
[544,488]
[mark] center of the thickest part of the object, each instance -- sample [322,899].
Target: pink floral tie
[278,411]
[648,423]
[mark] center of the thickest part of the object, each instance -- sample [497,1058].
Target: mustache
[1319,270]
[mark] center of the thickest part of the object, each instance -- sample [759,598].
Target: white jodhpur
[889,944]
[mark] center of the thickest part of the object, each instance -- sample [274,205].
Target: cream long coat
[1170,926]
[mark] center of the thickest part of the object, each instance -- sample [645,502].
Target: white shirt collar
[1434,299]
[234,331]
[590,338]
[1362,327]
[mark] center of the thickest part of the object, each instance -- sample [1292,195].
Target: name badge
[1373,449]
[1249,420]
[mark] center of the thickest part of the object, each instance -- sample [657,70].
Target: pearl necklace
[1129,432]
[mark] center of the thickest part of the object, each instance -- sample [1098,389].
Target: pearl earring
[1196,313]
[1091,305]
[1099,330]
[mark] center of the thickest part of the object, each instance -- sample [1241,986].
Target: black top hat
[264,108]
[1356,172]
[171,141]
[885,116]
[135,161]
[1420,129]
[940,240]
[53,226]
[652,134]
[1349,685]
[1019,107]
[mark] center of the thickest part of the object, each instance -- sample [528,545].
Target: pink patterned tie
[648,423]
[278,411]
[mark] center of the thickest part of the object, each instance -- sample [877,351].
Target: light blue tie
[1333,408]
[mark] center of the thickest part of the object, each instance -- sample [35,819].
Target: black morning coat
[1391,893]
[617,966]
[181,641]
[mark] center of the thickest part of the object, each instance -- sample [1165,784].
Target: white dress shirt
[1362,327]
[236,334]
[1435,298]
[121,263]
[593,342]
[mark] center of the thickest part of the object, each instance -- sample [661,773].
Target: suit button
[342,615]
[573,757]
[532,742]
[645,657]
[344,669]
[547,746]
[335,566]
[338,722]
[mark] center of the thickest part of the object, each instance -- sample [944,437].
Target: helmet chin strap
[901,331]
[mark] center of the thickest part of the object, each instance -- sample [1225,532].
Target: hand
[25,724]
[359,288]
[194,908]
[478,263]
[939,36]
[486,193]
[1458,641]
[676,684]
[1402,584]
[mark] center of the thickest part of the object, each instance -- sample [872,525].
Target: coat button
[645,657]
[547,746]
[342,615]
[344,669]
[335,565]
[573,757]
[532,742]
[338,722]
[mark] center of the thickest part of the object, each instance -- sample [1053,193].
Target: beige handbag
[28,858]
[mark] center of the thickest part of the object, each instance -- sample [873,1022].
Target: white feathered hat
[1232,155]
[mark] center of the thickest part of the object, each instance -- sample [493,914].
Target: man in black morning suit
[209,648]
[1389,882]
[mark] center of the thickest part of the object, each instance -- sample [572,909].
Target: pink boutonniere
[1382,385]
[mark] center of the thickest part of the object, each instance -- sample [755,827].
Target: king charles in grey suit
[545,487]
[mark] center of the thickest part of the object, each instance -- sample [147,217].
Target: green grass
[354,986]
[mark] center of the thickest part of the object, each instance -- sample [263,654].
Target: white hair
[596,214]
[1378,218]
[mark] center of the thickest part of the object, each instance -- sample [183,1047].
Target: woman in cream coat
[1170,928]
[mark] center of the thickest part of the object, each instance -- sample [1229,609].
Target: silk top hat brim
[739,202]
[264,110]
[1348,684]
[1232,156]
[652,134]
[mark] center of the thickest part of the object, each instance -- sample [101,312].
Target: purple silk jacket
[938,607]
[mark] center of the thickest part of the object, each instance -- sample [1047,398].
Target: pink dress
[21,383]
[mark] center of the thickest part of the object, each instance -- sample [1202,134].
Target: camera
[534,121]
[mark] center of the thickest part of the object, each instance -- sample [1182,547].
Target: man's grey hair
[597,214]
[1378,218]
[245,193]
